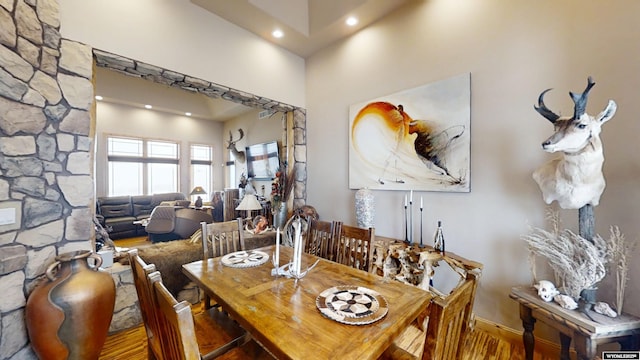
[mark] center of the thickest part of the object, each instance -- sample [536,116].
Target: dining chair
[205,335]
[220,333]
[355,246]
[443,333]
[140,271]
[219,239]
[321,238]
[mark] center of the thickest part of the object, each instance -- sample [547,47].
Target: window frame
[145,159]
[209,188]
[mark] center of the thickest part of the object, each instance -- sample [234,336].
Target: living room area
[134,116]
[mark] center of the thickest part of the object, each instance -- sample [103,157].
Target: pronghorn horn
[580,100]
[544,111]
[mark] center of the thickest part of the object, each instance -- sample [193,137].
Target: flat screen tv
[262,160]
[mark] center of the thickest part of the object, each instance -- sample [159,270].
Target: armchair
[161,224]
[169,223]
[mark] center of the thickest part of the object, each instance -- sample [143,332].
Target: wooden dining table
[282,315]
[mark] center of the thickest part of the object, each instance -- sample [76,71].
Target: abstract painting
[416,139]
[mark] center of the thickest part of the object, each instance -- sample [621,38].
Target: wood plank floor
[132,242]
[131,344]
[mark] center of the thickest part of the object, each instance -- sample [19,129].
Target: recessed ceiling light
[351,21]
[277,33]
[188,113]
[98,97]
[148,106]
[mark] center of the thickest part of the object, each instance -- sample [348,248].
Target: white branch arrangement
[620,248]
[579,263]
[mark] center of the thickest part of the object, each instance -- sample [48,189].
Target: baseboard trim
[542,346]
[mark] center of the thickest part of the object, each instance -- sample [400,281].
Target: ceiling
[308,25]
[114,87]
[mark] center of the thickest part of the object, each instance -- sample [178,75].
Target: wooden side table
[572,324]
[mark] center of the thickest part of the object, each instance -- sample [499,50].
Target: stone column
[46,156]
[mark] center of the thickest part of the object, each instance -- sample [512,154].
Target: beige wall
[513,50]
[180,36]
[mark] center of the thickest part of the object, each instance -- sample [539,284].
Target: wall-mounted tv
[262,160]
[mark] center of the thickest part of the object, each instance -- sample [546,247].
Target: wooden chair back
[175,321]
[449,318]
[447,327]
[322,237]
[219,239]
[355,247]
[222,238]
[205,335]
[140,271]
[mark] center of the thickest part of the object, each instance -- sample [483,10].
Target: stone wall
[46,156]
[300,157]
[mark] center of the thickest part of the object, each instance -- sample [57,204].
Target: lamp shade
[198,190]
[249,202]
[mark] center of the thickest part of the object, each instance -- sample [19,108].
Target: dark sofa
[117,213]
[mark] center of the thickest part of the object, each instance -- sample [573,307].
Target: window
[141,166]
[202,168]
[231,170]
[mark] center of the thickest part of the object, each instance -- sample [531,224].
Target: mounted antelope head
[231,145]
[574,179]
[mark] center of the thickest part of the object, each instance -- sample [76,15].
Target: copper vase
[68,315]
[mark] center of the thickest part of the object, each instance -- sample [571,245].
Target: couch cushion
[121,224]
[115,211]
[141,205]
[156,199]
[141,199]
[114,200]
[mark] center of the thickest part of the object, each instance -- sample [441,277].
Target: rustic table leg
[565,342]
[528,339]
[630,343]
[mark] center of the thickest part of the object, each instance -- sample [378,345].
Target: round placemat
[353,305]
[243,259]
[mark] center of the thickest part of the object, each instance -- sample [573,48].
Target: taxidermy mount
[575,178]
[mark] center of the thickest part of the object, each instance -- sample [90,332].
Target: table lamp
[249,202]
[198,190]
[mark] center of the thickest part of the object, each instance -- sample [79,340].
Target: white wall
[513,50]
[256,131]
[118,119]
[180,36]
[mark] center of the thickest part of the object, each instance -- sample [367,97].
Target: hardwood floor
[132,242]
[132,345]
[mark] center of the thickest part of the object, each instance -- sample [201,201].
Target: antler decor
[231,145]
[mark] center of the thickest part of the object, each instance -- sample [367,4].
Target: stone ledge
[126,313]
